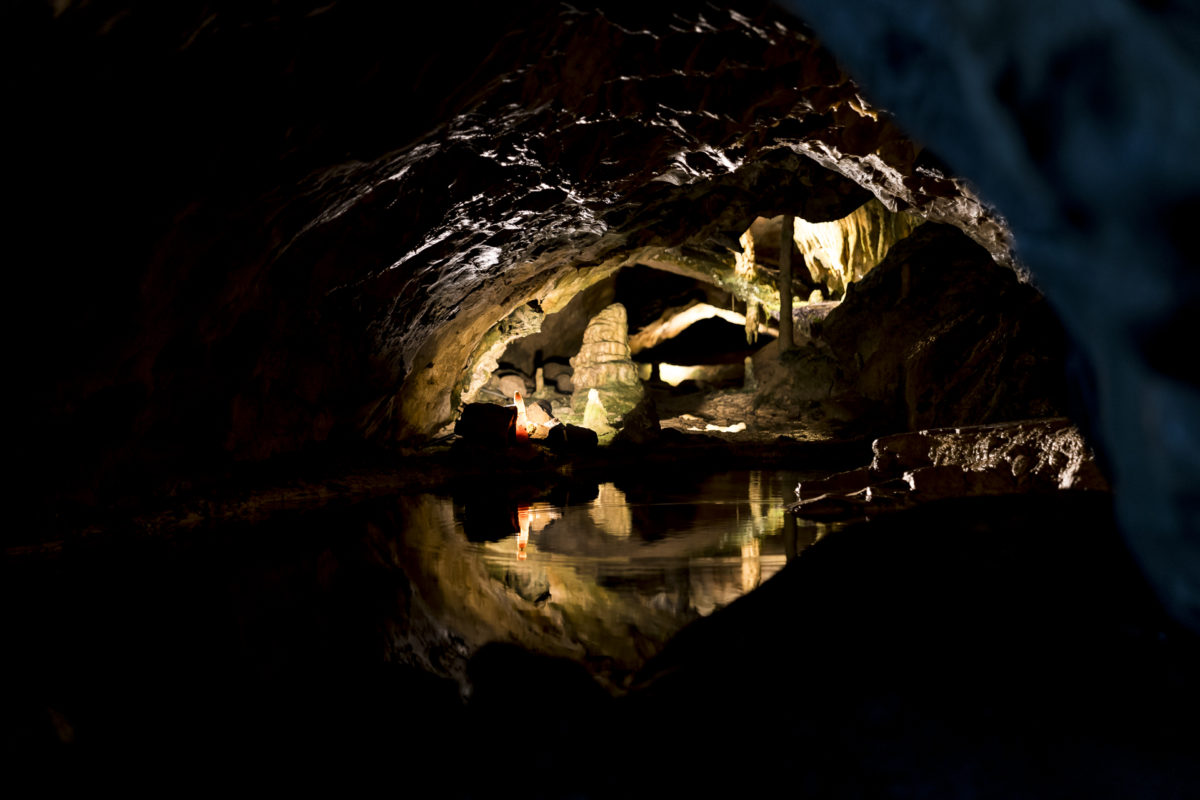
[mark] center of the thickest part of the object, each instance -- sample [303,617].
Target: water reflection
[617,568]
[244,618]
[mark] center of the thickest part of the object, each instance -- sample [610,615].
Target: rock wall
[1013,458]
[1083,129]
[940,334]
[936,335]
[296,226]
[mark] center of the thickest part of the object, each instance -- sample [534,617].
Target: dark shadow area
[938,654]
[968,649]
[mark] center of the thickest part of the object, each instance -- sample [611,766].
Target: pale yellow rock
[511,384]
[594,415]
[843,251]
[611,512]
[604,364]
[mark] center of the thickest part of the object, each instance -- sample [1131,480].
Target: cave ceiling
[307,218]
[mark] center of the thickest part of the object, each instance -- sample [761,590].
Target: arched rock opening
[256,232]
[332,292]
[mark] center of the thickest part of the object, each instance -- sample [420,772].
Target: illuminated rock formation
[836,253]
[840,252]
[674,321]
[603,365]
[986,460]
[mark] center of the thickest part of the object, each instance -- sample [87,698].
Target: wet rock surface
[302,283]
[1030,457]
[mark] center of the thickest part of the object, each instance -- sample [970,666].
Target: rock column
[787,338]
[604,364]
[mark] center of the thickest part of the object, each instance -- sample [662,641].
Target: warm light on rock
[595,416]
[675,321]
[843,251]
[603,367]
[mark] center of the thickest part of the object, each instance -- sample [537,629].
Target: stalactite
[843,251]
[754,312]
[744,261]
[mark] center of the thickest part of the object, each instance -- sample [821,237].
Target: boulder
[938,334]
[557,375]
[486,424]
[567,438]
[511,384]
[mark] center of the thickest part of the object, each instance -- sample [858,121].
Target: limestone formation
[1036,456]
[840,252]
[941,335]
[836,253]
[604,365]
[674,321]
[595,417]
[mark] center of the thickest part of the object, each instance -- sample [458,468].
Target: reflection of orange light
[523,519]
[522,421]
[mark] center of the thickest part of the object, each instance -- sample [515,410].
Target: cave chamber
[391,384]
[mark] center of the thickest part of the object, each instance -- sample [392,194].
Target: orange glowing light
[522,421]
[524,517]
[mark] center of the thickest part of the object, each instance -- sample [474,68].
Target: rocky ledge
[1034,456]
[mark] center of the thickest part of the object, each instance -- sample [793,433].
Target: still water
[689,551]
[131,640]
[603,572]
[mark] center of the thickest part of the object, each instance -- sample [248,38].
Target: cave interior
[279,255]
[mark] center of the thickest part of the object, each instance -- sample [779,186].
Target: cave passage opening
[697,329]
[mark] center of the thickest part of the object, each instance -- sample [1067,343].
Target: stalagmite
[594,414]
[603,365]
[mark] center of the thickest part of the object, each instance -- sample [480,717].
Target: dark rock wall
[161,155]
[940,335]
[1083,128]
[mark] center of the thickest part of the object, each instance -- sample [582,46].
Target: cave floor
[734,416]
